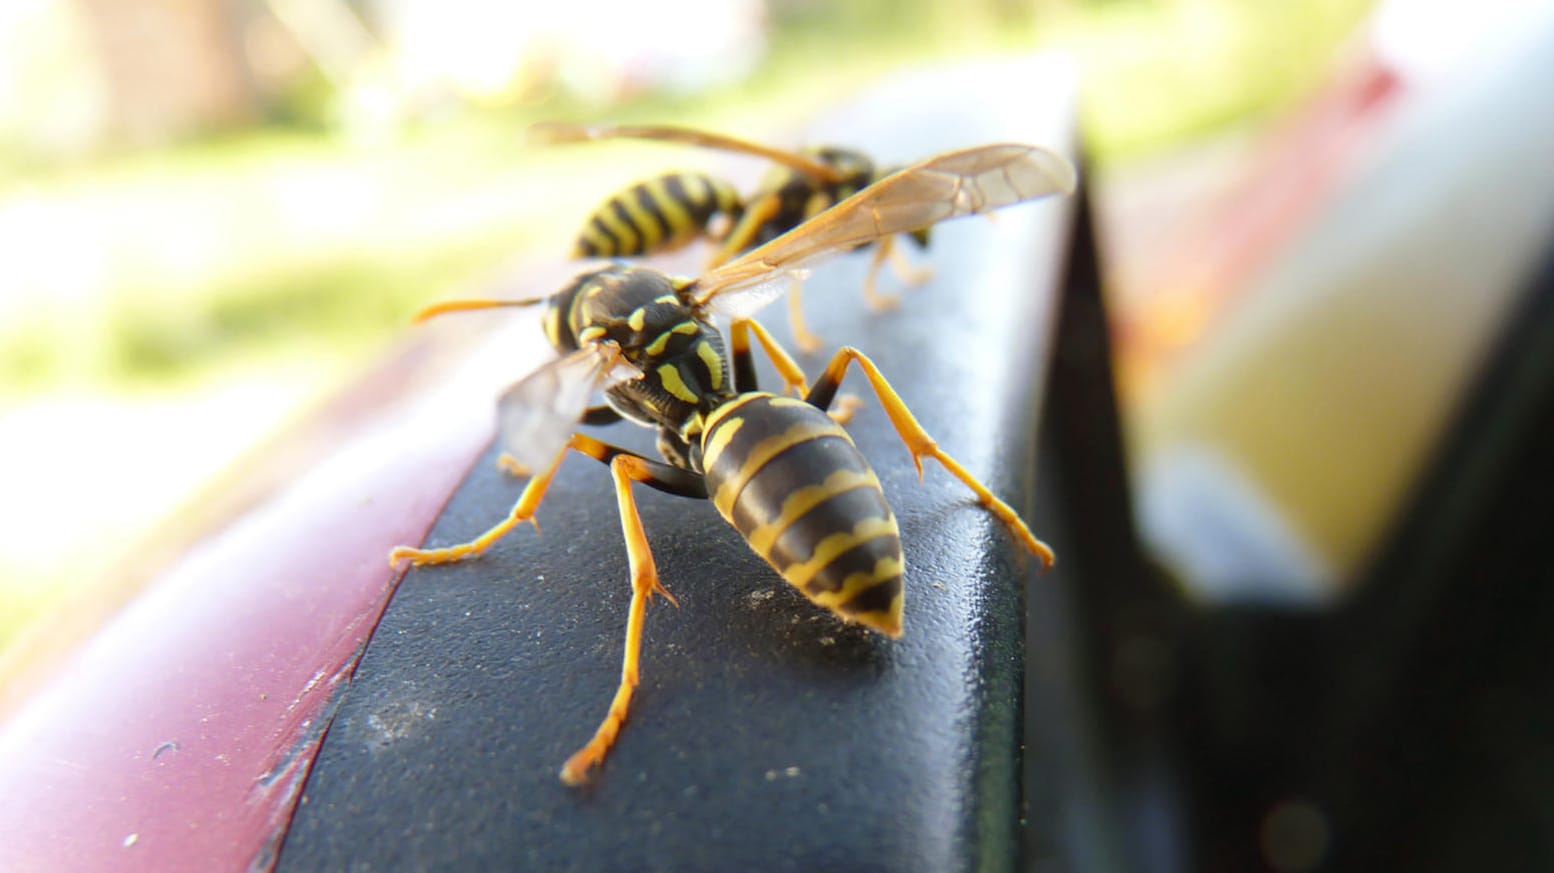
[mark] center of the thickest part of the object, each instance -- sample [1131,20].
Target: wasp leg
[919,443]
[807,341]
[601,415]
[744,369]
[847,404]
[512,466]
[871,295]
[667,478]
[739,351]
[792,375]
[905,270]
[626,468]
[742,234]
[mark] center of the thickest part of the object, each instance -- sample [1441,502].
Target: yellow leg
[871,295]
[919,443]
[906,271]
[644,583]
[744,231]
[522,511]
[788,370]
[807,341]
[843,408]
[512,466]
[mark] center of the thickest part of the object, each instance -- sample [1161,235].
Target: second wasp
[669,211]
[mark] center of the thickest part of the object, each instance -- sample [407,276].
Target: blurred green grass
[1155,75]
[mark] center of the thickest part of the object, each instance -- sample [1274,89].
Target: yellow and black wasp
[669,211]
[779,469]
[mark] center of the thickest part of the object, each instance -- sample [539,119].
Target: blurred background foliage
[210,210]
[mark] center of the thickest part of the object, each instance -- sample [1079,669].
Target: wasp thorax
[852,163]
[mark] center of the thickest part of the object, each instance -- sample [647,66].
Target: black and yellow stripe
[658,215]
[788,197]
[790,480]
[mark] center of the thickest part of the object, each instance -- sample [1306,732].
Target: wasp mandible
[669,211]
[779,469]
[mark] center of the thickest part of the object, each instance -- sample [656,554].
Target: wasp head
[638,309]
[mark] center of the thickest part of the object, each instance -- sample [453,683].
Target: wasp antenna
[556,132]
[447,306]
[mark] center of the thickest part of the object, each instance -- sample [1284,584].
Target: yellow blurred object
[1288,386]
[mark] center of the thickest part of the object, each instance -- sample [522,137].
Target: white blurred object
[1427,39]
[1222,533]
[598,51]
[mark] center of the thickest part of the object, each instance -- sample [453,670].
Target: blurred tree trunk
[170,67]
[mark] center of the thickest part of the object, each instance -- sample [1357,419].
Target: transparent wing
[950,185]
[537,415]
[553,132]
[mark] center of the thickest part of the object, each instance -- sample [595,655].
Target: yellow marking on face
[637,318]
[657,346]
[669,377]
[709,356]
[800,502]
[760,454]
[830,548]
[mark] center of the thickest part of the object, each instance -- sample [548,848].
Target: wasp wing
[965,182]
[554,132]
[537,415]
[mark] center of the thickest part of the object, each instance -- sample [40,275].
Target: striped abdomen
[657,215]
[790,480]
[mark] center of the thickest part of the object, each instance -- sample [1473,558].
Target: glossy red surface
[1218,244]
[178,738]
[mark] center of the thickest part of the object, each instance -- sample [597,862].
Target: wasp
[780,469]
[669,211]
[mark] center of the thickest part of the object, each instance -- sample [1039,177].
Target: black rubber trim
[1407,726]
